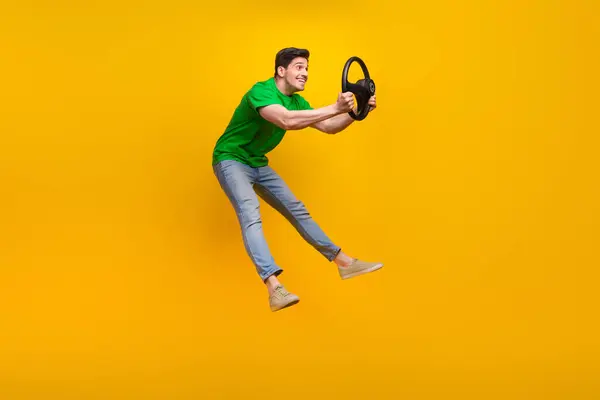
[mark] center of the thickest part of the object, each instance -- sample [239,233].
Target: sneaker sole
[364,271]
[291,303]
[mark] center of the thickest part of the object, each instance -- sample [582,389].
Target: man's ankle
[272,282]
[343,260]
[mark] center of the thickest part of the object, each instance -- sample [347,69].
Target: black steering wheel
[363,89]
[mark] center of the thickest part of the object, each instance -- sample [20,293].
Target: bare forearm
[299,119]
[338,123]
[303,118]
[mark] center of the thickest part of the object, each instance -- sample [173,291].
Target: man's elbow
[287,123]
[279,118]
[330,130]
[323,126]
[290,125]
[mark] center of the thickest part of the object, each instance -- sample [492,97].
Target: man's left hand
[372,103]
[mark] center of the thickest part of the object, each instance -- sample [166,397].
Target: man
[265,113]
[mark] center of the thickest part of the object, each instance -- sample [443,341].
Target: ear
[281,71]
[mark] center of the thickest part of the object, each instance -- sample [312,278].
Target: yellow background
[123,274]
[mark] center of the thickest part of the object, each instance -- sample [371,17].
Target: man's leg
[236,180]
[272,188]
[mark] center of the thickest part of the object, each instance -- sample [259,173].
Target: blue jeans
[241,183]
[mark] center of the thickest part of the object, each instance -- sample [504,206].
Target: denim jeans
[241,183]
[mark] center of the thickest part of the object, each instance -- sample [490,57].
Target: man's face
[296,73]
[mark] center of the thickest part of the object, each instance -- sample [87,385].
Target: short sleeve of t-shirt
[260,96]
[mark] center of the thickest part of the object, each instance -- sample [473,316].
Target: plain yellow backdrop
[122,270]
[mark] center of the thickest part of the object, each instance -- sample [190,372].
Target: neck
[284,87]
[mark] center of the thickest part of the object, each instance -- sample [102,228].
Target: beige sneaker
[358,267]
[281,298]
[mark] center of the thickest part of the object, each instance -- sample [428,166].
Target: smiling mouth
[302,80]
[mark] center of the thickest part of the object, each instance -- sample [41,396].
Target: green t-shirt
[249,137]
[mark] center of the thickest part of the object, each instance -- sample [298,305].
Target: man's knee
[298,209]
[249,214]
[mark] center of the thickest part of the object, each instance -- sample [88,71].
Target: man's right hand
[345,102]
